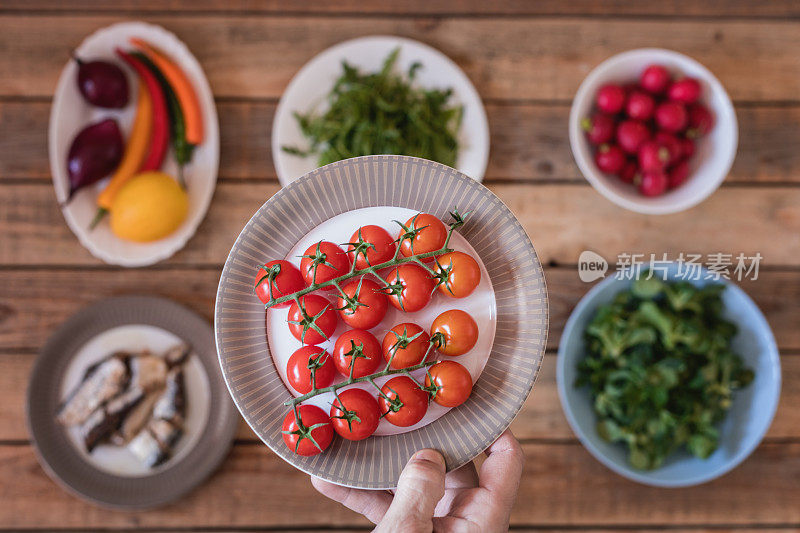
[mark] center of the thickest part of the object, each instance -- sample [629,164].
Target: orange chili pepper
[187,97]
[134,154]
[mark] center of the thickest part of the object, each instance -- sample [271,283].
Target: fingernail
[429,455]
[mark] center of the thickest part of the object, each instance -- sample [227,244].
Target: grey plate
[64,463]
[494,233]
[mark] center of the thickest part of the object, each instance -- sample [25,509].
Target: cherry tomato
[302,361]
[459,329]
[319,314]
[355,414]
[382,250]
[373,300]
[328,260]
[310,435]
[452,382]
[280,278]
[429,235]
[365,345]
[416,287]
[405,345]
[464,274]
[402,402]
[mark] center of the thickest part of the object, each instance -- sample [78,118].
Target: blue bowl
[744,425]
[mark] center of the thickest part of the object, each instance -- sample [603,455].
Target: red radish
[631,134]
[645,132]
[653,157]
[599,128]
[701,121]
[678,174]
[671,116]
[609,158]
[640,105]
[610,99]
[653,184]
[628,172]
[687,147]
[654,79]
[686,91]
[673,144]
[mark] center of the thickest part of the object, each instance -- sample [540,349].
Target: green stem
[369,270]
[387,371]
[101,212]
[426,267]
[395,261]
[316,392]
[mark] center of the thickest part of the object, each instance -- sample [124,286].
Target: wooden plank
[540,419]
[670,8]
[525,529]
[562,485]
[534,529]
[507,58]
[733,220]
[528,142]
[15,368]
[33,303]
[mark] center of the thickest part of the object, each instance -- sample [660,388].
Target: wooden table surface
[527,60]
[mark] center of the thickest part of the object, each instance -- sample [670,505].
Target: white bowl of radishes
[653,131]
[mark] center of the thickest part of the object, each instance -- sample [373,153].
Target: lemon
[149,207]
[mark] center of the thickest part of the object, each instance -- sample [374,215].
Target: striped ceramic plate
[499,240]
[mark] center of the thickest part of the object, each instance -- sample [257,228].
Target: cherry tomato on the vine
[355,414]
[452,382]
[405,345]
[415,286]
[402,402]
[459,329]
[303,361]
[361,345]
[324,261]
[281,278]
[464,274]
[309,435]
[382,250]
[366,311]
[318,322]
[429,235]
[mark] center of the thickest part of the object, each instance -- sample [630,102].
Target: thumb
[419,489]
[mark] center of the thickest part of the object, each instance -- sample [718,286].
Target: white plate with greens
[309,89]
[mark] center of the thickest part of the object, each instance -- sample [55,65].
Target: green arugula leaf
[382,113]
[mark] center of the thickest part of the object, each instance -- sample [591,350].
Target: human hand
[426,499]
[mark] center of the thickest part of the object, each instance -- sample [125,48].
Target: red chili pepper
[159,138]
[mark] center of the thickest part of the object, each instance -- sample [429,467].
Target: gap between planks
[433,14]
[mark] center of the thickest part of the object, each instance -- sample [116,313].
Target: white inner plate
[71,113]
[480,305]
[309,88]
[118,460]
